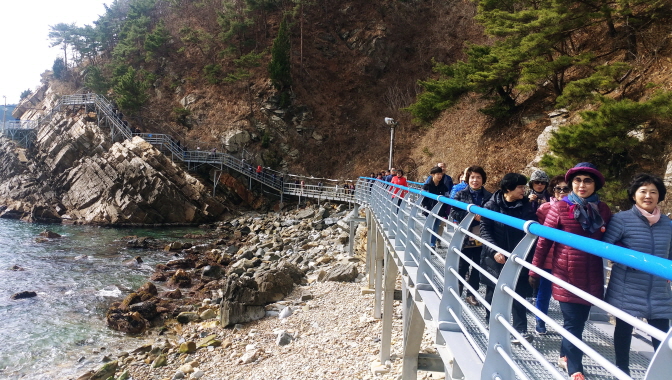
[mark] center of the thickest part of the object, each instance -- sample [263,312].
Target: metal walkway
[467,346]
[25,133]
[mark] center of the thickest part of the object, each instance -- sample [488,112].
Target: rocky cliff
[75,172]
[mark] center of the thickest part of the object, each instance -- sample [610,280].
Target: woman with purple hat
[580,213]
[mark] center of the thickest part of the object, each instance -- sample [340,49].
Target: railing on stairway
[106,112]
[468,346]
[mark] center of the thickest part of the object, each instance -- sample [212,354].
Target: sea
[61,333]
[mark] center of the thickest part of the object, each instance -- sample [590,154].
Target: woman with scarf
[580,213]
[508,200]
[558,188]
[538,185]
[642,295]
[474,193]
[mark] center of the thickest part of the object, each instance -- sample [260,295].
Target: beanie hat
[587,168]
[540,176]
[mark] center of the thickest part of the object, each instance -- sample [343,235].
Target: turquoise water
[61,332]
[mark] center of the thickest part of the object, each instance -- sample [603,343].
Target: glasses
[538,183]
[564,189]
[585,181]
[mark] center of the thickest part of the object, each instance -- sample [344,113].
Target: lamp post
[390,121]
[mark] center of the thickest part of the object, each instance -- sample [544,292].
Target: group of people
[569,203]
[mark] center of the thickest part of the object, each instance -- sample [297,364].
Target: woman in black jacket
[474,193]
[509,200]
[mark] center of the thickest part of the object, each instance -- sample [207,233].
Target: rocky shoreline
[242,270]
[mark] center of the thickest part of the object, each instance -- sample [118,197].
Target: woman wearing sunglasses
[580,213]
[557,189]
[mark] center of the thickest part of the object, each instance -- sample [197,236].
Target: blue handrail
[634,259]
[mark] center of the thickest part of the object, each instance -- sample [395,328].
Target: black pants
[473,254]
[623,338]
[518,312]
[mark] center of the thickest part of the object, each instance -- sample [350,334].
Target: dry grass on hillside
[463,137]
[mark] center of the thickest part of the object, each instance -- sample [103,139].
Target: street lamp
[390,121]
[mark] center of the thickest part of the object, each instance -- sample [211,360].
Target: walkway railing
[469,346]
[106,112]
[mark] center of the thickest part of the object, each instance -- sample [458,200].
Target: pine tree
[280,66]
[59,68]
[130,92]
[618,136]
[62,34]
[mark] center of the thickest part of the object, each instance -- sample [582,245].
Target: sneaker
[526,336]
[471,300]
[577,376]
[540,330]
[562,363]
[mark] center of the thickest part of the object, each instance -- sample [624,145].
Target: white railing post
[450,281]
[422,283]
[659,368]
[495,363]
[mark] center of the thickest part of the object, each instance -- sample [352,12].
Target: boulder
[49,234]
[24,294]
[236,139]
[180,279]
[106,371]
[187,316]
[146,309]
[187,348]
[129,322]
[344,272]
[244,298]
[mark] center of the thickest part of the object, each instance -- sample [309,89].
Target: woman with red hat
[580,213]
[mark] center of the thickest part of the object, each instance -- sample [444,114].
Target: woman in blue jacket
[642,228]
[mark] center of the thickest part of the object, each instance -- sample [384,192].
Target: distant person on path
[580,213]
[401,181]
[393,173]
[538,195]
[436,186]
[259,170]
[460,186]
[447,180]
[559,188]
[475,194]
[645,229]
[508,200]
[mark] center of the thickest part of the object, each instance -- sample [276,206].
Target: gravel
[334,336]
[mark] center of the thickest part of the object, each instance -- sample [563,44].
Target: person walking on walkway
[400,180]
[539,183]
[559,189]
[447,180]
[436,186]
[461,185]
[475,194]
[508,200]
[645,229]
[580,213]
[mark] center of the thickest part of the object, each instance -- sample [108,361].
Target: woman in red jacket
[580,213]
[400,180]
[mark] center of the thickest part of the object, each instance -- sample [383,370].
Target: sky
[24,27]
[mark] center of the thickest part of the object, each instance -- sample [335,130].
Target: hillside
[199,70]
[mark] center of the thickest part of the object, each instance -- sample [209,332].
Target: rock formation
[75,172]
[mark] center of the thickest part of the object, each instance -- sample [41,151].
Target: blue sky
[24,30]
